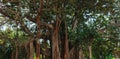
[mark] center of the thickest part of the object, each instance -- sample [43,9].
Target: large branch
[12,15]
[25,28]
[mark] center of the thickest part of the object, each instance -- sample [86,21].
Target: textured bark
[31,56]
[55,49]
[37,50]
[55,45]
[65,52]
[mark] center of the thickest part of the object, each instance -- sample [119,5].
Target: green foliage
[94,20]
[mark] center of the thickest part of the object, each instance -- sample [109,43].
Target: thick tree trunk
[31,56]
[65,43]
[37,50]
[55,48]
[66,50]
[55,44]
[90,52]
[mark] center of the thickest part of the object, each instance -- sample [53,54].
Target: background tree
[70,28]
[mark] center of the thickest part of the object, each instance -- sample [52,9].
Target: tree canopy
[59,29]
